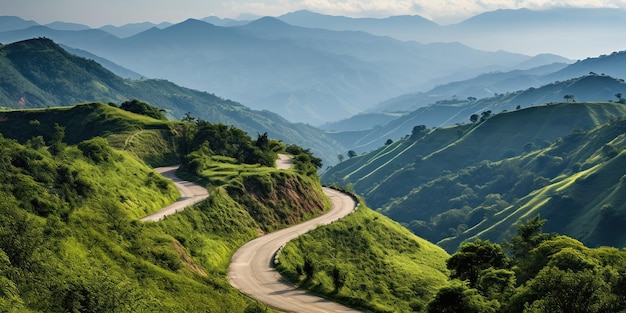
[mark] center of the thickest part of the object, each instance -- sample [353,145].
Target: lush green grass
[149,139]
[484,179]
[70,204]
[379,265]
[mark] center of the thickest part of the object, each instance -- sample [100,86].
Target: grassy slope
[385,268]
[455,186]
[492,140]
[178,264]
[147,138]
[587,204]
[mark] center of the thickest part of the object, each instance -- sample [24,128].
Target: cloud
[440,10]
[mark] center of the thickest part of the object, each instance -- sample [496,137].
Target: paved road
[284,162]
[190,194]
[251,269]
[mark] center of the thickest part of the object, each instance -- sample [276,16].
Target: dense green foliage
[367,261]
[479,180]
[226,157]
[546,273]
[143,108]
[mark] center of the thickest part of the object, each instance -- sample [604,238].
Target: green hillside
[478,180]
[75,184]
[577,185]
[367,261]
[38,73]
[72,195]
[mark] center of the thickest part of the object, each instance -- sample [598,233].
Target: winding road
[251,269]
[190,194]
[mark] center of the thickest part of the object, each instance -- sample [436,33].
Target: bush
[96,149]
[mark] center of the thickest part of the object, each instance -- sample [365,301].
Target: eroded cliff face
[276,199]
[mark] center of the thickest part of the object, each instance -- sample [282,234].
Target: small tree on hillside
[569,98]
[485,115]
[139,107]
[474,118]
[351,154]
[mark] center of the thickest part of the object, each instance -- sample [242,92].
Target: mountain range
[591,79]
[481,161]
[570,32]
[305,74]
[39,73]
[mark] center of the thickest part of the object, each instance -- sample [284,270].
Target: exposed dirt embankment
[280,198]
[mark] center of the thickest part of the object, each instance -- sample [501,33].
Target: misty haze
[328,156]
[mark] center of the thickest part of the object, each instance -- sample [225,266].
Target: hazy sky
[96,13]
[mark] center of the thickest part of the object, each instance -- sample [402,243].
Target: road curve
[190,194]
[251,269]
[284,161]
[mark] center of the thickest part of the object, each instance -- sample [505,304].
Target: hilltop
[443,182]
[39,73]
[442,113]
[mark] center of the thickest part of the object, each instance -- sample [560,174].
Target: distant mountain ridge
[448,112]
[39,73]
[522,30]
[308,75]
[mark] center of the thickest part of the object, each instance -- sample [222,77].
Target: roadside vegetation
[76,182]
[534,272]
[366,261]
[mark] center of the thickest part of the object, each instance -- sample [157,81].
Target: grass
[82,232]
[383,267]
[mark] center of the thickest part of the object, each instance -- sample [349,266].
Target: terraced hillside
[443,182]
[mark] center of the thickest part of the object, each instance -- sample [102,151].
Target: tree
[340,157]
[388,142]
[418,131]
[485,115]
[139,107]
[188,118]
[474,118]
[56,142]
[351,154]
[339,278]
[457,297]
[569,98]
[554,290]
[474,257]
[309,267]
[529,236]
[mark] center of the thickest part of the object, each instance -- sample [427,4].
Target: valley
[309,162]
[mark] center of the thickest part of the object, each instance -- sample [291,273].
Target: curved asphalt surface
[251,268]
[190,194]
